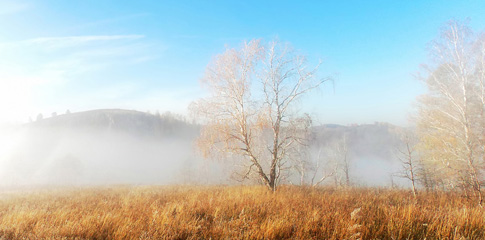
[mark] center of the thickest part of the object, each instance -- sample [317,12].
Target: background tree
[407,154]
[302,159]
[324,167]
[312,163]
[339,152]
[251,114]
[451,114]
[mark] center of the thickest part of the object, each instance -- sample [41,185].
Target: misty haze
[242,120]
[130,147]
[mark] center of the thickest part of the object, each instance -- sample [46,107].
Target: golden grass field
[239,212]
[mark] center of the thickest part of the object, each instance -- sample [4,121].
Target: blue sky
[150,55]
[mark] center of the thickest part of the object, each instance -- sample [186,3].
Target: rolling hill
[113,146]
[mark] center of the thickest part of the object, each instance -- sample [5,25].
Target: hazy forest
[246,157]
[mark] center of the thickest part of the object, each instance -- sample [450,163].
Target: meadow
[236,212]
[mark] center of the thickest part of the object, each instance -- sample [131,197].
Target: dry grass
[179,212]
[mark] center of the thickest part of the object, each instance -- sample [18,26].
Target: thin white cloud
[85,38]
[72,41]
[79,54]
[109,21]
[48,74]
[11,7]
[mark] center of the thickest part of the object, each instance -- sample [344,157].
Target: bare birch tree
[302,163]
[311,161]
[341,153]
[338,161]
[324,168]
[313,165]
[251,112]
[408,156]
[450,121]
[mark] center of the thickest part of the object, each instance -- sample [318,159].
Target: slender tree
[251,114]
[451,114]
[325,169]
[410,163]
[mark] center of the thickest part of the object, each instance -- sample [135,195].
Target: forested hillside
[125,146]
